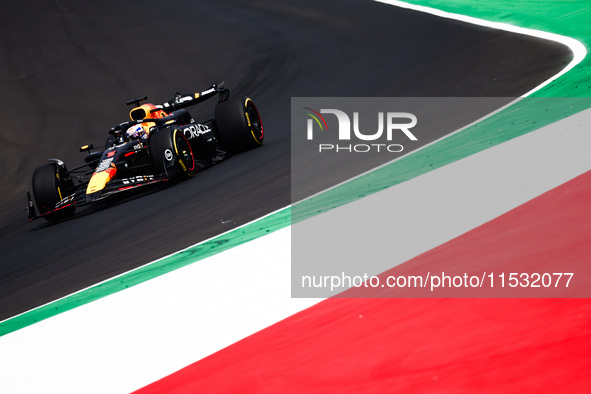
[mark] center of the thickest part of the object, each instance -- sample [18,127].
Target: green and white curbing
[571,90]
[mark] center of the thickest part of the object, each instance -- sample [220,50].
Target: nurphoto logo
[389,123]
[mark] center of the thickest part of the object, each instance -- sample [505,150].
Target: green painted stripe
[563,18]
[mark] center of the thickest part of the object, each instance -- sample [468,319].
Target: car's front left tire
[50,186]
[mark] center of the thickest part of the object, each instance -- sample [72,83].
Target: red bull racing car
[160,143]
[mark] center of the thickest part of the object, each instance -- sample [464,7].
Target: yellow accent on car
[59,192]
[147,126]
[99,180]
[176,149]
[138,113]
[248,120]
[255,138]
[183,165]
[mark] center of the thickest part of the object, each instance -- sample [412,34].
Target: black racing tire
[238,125]
[50,186]
[171,154]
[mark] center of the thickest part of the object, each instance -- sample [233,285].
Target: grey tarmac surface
[67,68]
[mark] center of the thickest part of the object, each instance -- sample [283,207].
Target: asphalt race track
[67,69]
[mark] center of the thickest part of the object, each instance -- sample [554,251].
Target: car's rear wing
[185,100]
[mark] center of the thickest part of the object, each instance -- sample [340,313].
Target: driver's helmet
[136,132]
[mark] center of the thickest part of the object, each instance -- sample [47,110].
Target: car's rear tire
[238,125]
[171,153]
[50,186]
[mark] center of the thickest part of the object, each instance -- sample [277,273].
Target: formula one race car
[160,143]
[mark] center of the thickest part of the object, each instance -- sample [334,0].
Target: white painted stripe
[132,338]
[129,339]
[578,49]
